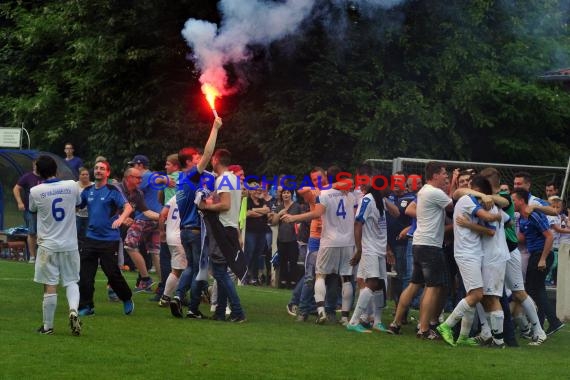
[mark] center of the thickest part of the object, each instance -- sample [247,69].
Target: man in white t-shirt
[54,201]
[336,209]
[430,265]
[223,234]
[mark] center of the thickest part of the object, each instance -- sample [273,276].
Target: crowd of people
[470,244]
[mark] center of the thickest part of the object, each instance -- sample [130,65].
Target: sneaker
[381,328]
[321,318]
[164,301]
[394,329]
[144,286]
[32,261]
[483,341]
[213,308]
[302,318]
[537,340]
[428,335]
[466,341]
[128,307]
[176,307]
[552,329]
[292,309]
[86,311]
[344,321]
[357,328]
[113,297]
[195,314]
[74,323]
[219,318]
[526,333]
[500,346]
[366,323]
[238,319]
[446,333]
[43,331]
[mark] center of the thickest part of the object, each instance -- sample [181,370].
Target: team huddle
[349,238]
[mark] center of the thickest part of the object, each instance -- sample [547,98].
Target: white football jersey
[173,223]
[338,219]
[495,249]
[374,228]
[466,242]
[54,201]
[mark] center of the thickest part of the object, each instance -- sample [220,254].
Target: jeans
[537,290]
[165,267]
[226,291]
[254,247]
[402,279]
[191,244]
[307,298]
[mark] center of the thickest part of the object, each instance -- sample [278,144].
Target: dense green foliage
[449,80]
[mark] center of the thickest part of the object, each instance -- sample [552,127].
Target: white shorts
[177,257]
[372,266]
[471,271]
[334,260]
[494,279]
[513,272]
[51,266]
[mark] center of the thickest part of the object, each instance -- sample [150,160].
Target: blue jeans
[254,247]
[226,291]
[401,281]
[307,298]
[191,244]
[165,267]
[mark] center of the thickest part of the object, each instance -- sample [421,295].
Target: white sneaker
[213,308]
[537,340]
[321,318]
[32,260]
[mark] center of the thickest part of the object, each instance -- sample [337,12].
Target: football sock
[49,305]
[361,305]
[72,293]
[347,296]
[497,318]
[378,304]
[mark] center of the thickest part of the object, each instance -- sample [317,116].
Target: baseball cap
[139,159]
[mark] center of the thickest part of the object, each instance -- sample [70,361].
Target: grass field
[151,344]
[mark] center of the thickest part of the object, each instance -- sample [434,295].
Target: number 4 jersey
[54,201]
[338,219]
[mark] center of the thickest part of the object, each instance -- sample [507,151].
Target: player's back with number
[55,201]
[338,219]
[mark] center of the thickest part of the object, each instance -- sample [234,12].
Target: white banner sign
[10,137]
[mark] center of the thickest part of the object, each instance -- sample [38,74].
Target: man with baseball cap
[144,229]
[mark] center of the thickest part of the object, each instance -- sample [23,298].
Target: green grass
[151,344]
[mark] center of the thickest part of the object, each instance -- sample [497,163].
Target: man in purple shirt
[22,195]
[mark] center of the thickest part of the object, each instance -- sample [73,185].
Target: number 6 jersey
[54,201]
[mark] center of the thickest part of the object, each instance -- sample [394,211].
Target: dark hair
[317,169]
[46,166]
[521,193]
[432,168]
[223,156]
[492,176]
[551,183]
[186,154]
[378,194]
[524,175]
[482,184]
[333,171]
[364,169]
